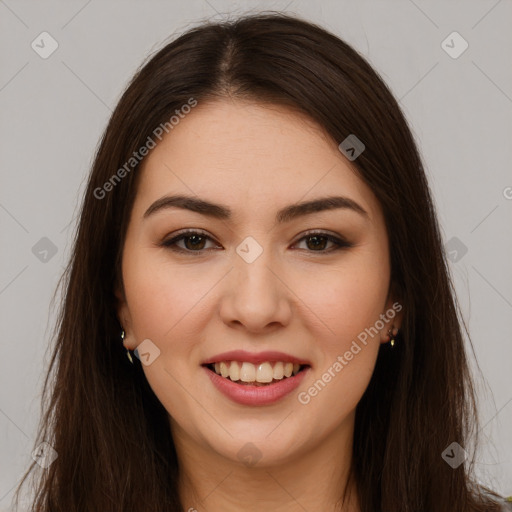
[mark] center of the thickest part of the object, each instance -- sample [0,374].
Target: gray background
[54,110]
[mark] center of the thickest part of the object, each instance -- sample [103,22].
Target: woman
[258,233]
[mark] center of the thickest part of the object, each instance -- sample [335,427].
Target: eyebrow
[286,214]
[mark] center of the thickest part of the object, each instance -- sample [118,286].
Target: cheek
[165,306]
[348,302]
[161,295]
[348,298]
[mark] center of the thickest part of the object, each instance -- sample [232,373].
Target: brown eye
[317,242]
[193,242]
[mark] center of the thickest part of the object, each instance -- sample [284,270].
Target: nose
[256,296]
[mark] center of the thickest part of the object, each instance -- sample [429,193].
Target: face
[257,277]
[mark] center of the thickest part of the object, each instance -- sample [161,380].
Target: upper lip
[255,357]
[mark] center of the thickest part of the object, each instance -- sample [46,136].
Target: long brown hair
[111,434]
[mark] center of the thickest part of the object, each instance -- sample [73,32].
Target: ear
[124,317]
[392,315]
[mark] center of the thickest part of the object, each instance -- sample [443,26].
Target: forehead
[251,156]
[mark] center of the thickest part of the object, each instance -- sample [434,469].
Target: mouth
[257,375]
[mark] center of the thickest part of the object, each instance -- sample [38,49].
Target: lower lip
[256,395]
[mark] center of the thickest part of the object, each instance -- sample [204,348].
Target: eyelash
[171,244]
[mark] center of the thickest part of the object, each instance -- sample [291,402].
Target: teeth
[234,371]
[247,372]
[278,371]
[263,373]
[224,369]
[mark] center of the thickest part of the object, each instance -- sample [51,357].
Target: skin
[294,298]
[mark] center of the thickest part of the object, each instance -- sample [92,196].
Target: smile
[250,391]
[260,375]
